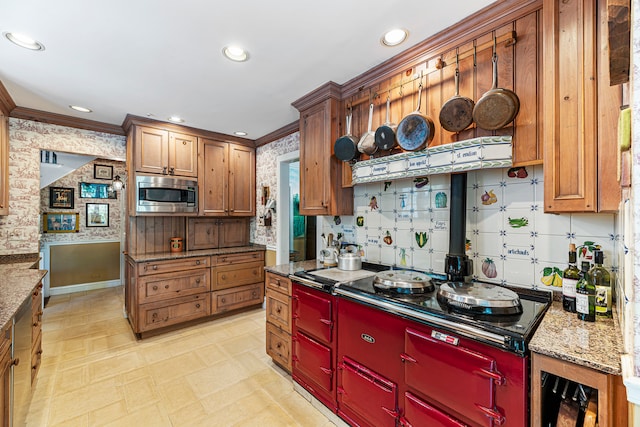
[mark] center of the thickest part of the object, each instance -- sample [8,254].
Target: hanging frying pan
[385,137]
[346,147]
[497,107]
[367,143]
[457,113]
[415,131]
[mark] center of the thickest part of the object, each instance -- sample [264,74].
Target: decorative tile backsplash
[509,237]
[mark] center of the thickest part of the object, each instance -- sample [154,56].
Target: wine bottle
[586,295]
[602,281]
[570,278]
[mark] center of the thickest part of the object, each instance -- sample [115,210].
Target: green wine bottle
[602,281]
[570,277]
[586,295]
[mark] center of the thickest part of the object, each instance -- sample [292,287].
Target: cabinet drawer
[159,287]
[279,346]
[231,299]
[240,258]
[229,276]
[36,357]
[167,266]
[278,283]
[279,310]
[5,339]
[164,313]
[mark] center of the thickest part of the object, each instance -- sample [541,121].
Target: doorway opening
[296,234]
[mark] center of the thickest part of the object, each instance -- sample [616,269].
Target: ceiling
[164,58]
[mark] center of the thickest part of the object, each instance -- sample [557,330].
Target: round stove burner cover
[479,298]
[403,282]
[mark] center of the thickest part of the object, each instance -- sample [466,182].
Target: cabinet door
[5,374]
[278,309]
[202,233]
[213,179]
[183,155]
[151,150]
[242,180]
[233,232]
[278,345]
[315,135]
[4,165]
[570,106]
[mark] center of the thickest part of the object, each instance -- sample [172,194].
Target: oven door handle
[497,377]
[327,322]
[326,371]
[493,414]
[404,357]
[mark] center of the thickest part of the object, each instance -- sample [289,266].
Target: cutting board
[567,414]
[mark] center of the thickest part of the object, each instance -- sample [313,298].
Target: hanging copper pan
[497,107]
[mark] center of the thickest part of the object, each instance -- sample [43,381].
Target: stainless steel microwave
[163,194]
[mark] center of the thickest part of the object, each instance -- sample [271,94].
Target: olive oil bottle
[586,295]
[570,278]
[602,281]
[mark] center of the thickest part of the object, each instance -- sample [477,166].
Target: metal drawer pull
[155,267]
[198,262]
[198,280]
[155,288]
[166,286]
[197,305]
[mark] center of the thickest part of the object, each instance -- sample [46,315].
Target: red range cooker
[381,354]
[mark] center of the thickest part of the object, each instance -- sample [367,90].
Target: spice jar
[175,244]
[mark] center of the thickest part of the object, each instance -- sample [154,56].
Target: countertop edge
[160,256]
[17,282]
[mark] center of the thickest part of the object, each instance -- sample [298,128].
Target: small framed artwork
[103,172]
[91,190]
[97,215]
[61,198]
[60,222]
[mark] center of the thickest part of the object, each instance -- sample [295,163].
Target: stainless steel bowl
[349,261]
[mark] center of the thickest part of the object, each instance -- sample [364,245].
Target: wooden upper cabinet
[321,182]
[227,179]
[575,94]
[213,180]
[242,180]
[167,153]
[4,165]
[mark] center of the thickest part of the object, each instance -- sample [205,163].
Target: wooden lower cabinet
[5,373]
[278,315]
[36,331]
[170,292]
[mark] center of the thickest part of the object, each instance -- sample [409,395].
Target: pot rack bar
[509,39]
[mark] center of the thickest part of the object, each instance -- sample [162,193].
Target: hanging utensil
[415,131]
[346,147]
[367,144]
[497,107]
[457,113]
[385,137]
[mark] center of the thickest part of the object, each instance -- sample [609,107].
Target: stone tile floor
[95,373]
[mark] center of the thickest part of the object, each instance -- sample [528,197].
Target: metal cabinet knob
[155,288]
[197,305]
[155,267]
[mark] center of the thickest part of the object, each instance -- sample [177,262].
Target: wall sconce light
[117,183]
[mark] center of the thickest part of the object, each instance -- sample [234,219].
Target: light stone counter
[188,254]
[292,267]
[17,281]
[596,345]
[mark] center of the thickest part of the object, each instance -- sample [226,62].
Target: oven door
[313,313]
[419,413]
[453,376]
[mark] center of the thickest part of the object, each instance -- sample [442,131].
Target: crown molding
[279,133]
[6,102]
[63,120]
[324,92]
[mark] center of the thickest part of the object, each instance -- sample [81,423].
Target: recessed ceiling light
[24,41]
[176,119]
[394,37]
[235,53]
[240,133]
[81,109]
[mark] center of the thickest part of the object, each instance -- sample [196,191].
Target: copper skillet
[497,107]
[457,113]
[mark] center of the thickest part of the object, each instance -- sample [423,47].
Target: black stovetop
[511,332]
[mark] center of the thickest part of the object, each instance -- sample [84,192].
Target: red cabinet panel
[462,379]
[313,361]
[313,313]
[419,413]
[365,398]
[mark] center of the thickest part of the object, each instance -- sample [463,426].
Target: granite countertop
[292,267]
[17,281]
[189,254]
[596,345]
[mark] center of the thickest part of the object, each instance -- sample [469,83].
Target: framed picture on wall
[103,172]
[60,222]
[97,215]
[61,198]
[91,190]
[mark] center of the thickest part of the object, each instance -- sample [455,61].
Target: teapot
[329,257]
